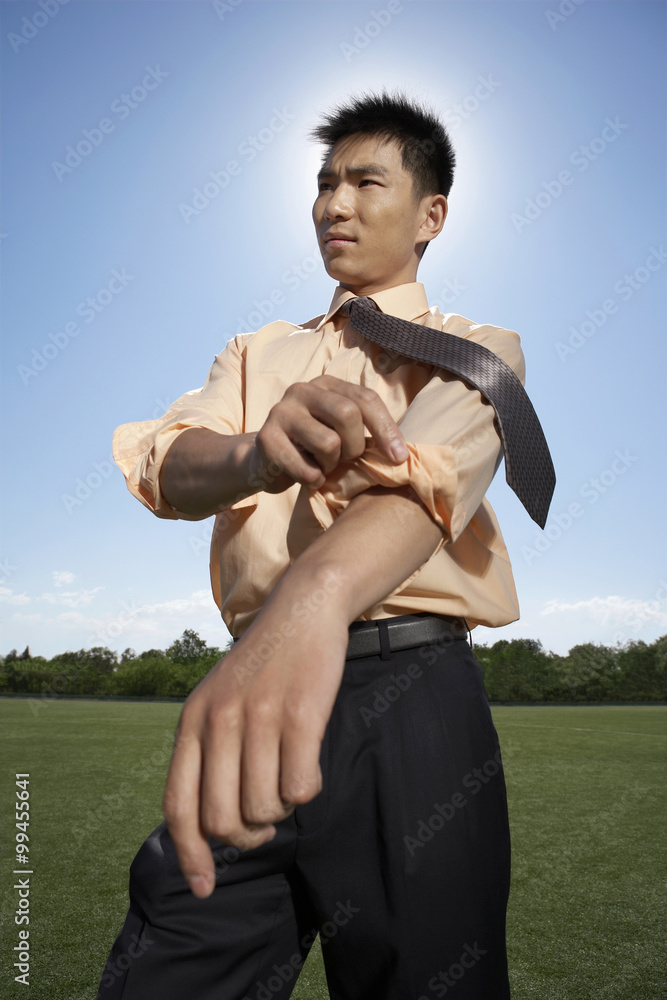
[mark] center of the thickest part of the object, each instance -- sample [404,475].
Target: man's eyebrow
[364,168]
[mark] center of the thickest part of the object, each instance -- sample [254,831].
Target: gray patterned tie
[528,466]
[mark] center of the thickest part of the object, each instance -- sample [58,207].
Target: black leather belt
[386,635]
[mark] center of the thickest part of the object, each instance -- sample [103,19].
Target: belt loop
[385,645]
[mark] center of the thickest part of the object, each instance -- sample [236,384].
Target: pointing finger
[181,810]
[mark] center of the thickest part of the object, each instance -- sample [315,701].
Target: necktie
[528,467]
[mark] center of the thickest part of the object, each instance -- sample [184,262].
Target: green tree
[516,670]
[189,648]
[642,670]
[101,659]
[590,671]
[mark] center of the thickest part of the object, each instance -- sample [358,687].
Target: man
[319,783]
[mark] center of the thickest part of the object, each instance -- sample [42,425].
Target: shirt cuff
[139,451]
[430,470]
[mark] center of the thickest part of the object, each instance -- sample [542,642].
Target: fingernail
[398,450]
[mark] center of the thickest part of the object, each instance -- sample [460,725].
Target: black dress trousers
[401,863]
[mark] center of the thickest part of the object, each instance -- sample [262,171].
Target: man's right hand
[317,425]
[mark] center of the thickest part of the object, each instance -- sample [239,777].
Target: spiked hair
[426,149]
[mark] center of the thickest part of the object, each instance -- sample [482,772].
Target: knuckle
[295,389]
[301,788]
[216,827]
[268,432]
[347,409]
[236,836]
[261,711]
[330,443]
[174,809]
[225,715]
[369,396]
[297,711]
[263,813]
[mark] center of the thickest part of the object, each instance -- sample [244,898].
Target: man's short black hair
[426,149]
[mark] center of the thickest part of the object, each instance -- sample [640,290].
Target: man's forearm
[250,734]
[204,472]
[382,537]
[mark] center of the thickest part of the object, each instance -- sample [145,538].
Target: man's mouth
[338,241]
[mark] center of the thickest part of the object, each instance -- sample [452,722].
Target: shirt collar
[406,301]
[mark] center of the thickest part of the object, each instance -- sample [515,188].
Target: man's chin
[350,278]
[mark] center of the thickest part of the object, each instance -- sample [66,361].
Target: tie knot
[345,308]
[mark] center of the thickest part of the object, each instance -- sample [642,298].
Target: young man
[338,771]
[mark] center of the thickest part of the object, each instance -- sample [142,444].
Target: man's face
[366,197]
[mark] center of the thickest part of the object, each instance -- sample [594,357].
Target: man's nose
[339,205]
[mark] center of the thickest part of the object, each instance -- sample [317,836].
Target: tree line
[515,670]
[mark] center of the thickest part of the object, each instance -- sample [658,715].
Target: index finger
[379,421]
[180,805]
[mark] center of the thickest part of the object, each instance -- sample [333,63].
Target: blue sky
[117,295]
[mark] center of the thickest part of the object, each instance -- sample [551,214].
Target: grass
[587,806]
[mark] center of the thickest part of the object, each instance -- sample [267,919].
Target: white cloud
[198,601]
[8,595]
[71,598]
[79,619]
[630,612]
[61,577]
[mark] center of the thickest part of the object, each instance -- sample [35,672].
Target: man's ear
[434,213]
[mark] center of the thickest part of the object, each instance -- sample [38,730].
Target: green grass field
[587,809]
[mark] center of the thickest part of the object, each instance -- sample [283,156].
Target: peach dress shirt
[454,452]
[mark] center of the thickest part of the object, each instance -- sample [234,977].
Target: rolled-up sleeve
[139,448]
[453,444]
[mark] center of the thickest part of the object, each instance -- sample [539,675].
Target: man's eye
[367,180]
[323,185]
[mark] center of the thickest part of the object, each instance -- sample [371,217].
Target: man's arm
[315,426]
[249,736]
